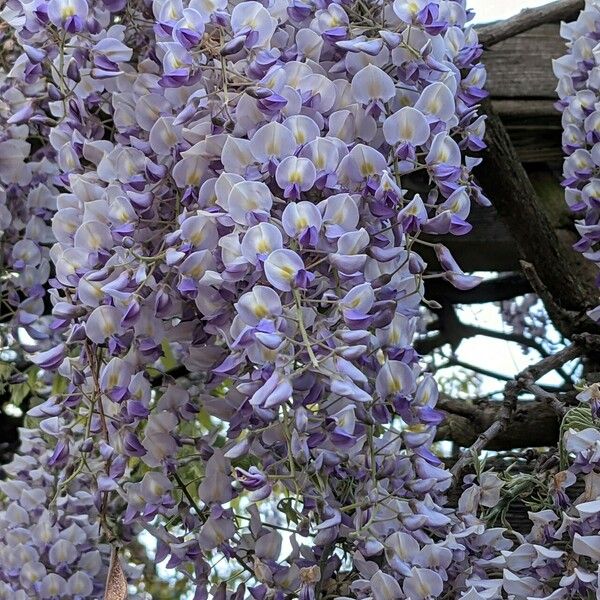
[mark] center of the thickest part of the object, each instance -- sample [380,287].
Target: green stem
[303,332]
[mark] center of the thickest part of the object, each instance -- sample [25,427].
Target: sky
[494,10]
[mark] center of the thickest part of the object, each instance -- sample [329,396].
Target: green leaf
[578,418]
[285,506]
[204,420]
[19,392]
[59,385]
[168,360]
[5,371]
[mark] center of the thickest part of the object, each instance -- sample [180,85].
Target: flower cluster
[241,189]
[526,315]
[49,546]
[578,74]
[27,202]
[559,557]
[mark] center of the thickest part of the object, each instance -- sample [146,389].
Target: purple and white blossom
[221,188]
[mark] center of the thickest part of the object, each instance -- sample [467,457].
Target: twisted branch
[527,19]
[524,381]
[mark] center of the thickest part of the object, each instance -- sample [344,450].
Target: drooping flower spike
[224,187]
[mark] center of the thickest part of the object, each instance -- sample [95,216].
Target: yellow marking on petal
[263,246]
[268,354]
[130,167]
[193,178]
[417,428]
[95,241]
[272,149]
[122,215]
[295,177]
[107,328]
[434,105]
[374,90]
[287,272]
[413,8]
[68,11]
[197,238]
[260,311]
[155,488]
[170,137]
[46,535]
[395,386]
[367,169]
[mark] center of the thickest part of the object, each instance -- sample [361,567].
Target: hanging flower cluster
[27,202]
[559,558]
[241,189]
[49,545]
[578,74]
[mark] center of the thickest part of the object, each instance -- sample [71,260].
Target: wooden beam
[528,113]
[527,19]
[520,68]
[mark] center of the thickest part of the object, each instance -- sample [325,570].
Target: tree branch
[454,362]
[505,180]
[504,287]
[453,332]
[528,19]
[522,382]
[557,406]
[465,422]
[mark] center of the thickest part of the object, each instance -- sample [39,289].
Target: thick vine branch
[465,421]
[505,286]
[517,203]
[453,331]
[528,19]
[522,382]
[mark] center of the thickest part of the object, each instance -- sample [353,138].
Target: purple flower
[69,14]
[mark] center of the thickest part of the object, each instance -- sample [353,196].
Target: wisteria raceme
[578,74]
[50,547]
[526,315]
[241,189]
